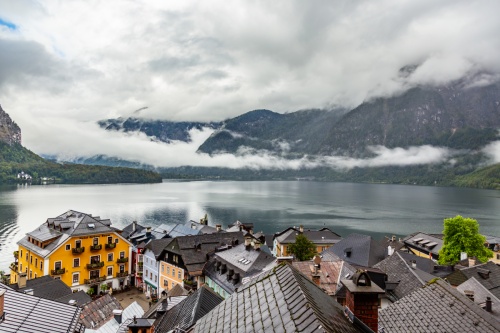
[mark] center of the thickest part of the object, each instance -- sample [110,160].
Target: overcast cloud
[66,64]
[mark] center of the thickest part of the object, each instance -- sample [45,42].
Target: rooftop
[358,249]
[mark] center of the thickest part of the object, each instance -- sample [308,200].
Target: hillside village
[78,273]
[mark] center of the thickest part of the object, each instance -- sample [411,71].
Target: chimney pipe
[488,303]
[134,225]
[413,264]
[148,231]
[301,229]
[256,246]
[218,227]
[21,283]
[118,315]
[472,261]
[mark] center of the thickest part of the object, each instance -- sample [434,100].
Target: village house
[322,239]
[81,250]
[424,245]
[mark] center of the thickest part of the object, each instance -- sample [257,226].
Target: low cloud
[136,146]
[492,150]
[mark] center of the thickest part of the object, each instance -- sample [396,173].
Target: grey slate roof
[194,249]
[436,308]
[487,274]
[244,262]
[31,314]
[99,311]
[427,265]
[416,241]
[364,250]
[480,294]
[129,230]
[112,326]
[281,301]
[186,313]
[49,288]
[157,246]
[322,236]
[398,269]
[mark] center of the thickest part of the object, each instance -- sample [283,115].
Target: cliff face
[9,131]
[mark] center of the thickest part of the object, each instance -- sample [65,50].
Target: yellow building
[170,276]
[81,250]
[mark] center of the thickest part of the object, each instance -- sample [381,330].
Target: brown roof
[328,273]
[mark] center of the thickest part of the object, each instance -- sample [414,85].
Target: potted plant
[104,287]
[90,291]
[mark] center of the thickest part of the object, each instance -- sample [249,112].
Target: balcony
[122,274]
[122,260]
[95,265]
[139,268]
[95,247]
[110,246]
[58,271]
[78,250]
[16,254]
[94,280]
[139,274]
[14,266]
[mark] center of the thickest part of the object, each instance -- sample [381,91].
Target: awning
[150,284]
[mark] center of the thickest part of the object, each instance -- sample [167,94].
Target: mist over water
[375,209]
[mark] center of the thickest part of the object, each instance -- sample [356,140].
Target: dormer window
[347,252]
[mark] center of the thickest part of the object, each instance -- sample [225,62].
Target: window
[175,258]
[498,256]
[78,243]
[26,256]
[110,256]
[122,254]
[173,284]
[162,268]
[165,283]
[95,259]
[156,278]
[21,254]
[36,262]
[68,247]
[41,265]
[20,267]
[57,265]
[179,274]
[122,268]
[76,277]
[110,240]
[94,274]
[35,275]
[168,269]
[76,262]
[151,276]
[31,274]
[116,240]
[96,241]
[173,272]
[31,259]
[110,271]
[146,272]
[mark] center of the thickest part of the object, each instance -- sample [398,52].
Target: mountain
[165,131]
[16,159]
[10,133]
[298,132]
[454,116]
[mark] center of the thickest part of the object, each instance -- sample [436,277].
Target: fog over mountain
[65,65]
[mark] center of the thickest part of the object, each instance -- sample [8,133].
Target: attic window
[91,226]
[484,273]
[347,252]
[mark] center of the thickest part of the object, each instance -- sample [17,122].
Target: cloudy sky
[66,64]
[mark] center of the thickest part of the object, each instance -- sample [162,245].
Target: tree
[303,248]
[462,235]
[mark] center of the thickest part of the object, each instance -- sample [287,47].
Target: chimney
[256,245]
[301,229]
[414,264]
[488,303]
[316,279]
[2,302]
[218,227]
[362,298]
[134,226]
[472,261]
[21,283]
[390,250]
[248,242]
[463,256]
[393,238]
[148,231]
[118,315]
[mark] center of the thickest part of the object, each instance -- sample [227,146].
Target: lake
[375,209]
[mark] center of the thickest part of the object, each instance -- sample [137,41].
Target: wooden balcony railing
[94,280]
[96,247]
[95,265]
[123,274]
[58,271]
[110,245]
[78,250]
[14,266]
[122,260]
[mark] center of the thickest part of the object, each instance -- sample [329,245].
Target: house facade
[322,239]
[81,250]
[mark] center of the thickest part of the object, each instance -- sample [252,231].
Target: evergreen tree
[303,249]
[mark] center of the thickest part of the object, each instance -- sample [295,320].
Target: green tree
[462,235]
[303,249]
